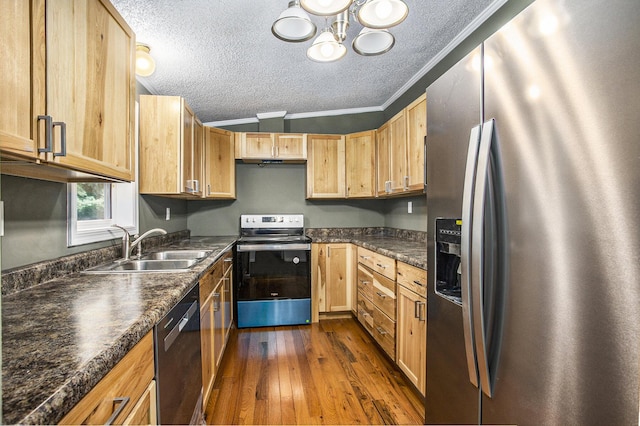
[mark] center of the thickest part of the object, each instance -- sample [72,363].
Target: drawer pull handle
[381,331]
[381,266]
[228,259]
[418,283]
[365,282]
[123,401]
[364,257]
[381,294]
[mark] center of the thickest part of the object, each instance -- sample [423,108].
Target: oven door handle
[272,247]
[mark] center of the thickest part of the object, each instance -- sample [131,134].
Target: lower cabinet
[412,324]
[377,298]
[126,394]
[215,319]
[332,276]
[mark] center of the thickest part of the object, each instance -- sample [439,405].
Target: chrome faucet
[128,245]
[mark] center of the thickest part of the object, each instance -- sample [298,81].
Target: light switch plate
[410,207]
[1,218]
[168,214]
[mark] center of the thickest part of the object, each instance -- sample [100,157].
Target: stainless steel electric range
[273,271]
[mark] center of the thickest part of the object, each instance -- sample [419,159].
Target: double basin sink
[162,261]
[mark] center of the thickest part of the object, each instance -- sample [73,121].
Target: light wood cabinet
[119,392]
[145,411]
[326,166]
[377,298]
[416,116]
[276,146]
[412,324]
[219,164]
[360,161]
[400,151]
[332,277]
[216,314]
[68,90]
[170,147]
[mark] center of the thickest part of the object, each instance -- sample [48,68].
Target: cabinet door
[91,87]
[218,322]
[360,159]
[325,166]
[383,159]
[190,184]
[23,83]
[198,156]
[416,116]
[257,145]
[161,125]
[227,296]
[220,166]
[206,347]
[290,146]
[145,412]
[398,153]
[411,336]
[338,280]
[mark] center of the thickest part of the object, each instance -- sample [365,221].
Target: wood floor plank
[325,373]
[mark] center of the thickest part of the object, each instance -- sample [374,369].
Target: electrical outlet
[410,207]
[168,214]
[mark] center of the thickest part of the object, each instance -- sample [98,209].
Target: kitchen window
[93,209]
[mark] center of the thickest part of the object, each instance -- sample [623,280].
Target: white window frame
[124,210]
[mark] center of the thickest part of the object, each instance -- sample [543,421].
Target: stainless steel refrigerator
[533,201]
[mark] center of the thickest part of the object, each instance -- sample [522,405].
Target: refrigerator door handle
[484,247]
[465,247]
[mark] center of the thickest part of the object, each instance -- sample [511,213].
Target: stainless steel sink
[143,265]
[177,254]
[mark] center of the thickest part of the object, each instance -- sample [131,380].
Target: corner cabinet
[68,90]
[411,335]
[273,146]
[332,277]
[326,166]
[219,164]
[170,147]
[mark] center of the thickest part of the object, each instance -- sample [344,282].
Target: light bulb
[324,3]
[326,50]
[383,9]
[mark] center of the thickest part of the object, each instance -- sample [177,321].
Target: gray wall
[35,226]
[278,188]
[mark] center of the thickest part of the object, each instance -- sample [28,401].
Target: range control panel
[271,221]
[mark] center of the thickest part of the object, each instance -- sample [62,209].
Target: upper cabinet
[400,151]
[273,146]
[170,162]
[219,164]
[326,166]
[68,90]
[361,164]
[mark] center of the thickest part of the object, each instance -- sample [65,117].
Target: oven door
[273,284]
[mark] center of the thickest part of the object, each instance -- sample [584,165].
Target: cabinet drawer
[129,379]
[384,295]
[384,331]
[211,278]
[415,279]
[382,264]
[365,282]
[365,312]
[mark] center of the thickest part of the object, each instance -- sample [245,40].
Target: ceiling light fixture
[145,65]
[374,39]
[294,24]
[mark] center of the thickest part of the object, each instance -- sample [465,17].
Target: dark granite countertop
[61,337]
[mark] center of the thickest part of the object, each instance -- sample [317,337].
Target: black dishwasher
[178,362]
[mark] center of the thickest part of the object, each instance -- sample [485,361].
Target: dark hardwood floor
[324,373]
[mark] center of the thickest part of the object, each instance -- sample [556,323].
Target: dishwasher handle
[175,331]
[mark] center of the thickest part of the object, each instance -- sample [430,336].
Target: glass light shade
[293,24]
[145,65]
[325,7]
[381,14]
[325,48]
[372,42]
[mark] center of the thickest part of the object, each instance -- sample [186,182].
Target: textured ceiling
[221,57]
